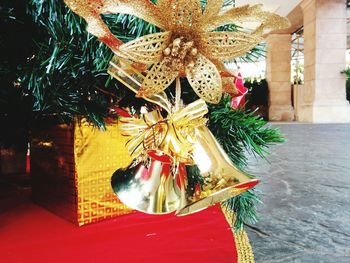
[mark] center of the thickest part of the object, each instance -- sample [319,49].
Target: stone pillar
[324,95]
[278,74]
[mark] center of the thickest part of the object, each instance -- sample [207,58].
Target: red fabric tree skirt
[28,233]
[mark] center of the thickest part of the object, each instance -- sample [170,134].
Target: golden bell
[153,189]
[222,180]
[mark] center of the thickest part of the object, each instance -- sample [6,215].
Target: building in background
[304,64]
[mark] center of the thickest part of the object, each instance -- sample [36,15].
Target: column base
[281,113]
[324,114]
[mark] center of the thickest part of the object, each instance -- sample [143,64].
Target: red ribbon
[238,100]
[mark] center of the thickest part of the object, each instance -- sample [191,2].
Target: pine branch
[241,133]
[68,69]
[244,209]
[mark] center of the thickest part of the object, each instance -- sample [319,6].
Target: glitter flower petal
[158,79]
[205,80]
[147,49]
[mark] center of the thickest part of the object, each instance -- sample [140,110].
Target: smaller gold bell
[152,189]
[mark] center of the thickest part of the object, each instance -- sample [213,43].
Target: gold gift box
[71,168]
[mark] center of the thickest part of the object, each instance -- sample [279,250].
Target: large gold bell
[222,180]
[152,189]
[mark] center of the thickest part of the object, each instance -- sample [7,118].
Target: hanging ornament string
[177,94]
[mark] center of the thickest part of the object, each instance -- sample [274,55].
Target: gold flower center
[179,53]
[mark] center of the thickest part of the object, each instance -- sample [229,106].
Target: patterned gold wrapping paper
[72,167]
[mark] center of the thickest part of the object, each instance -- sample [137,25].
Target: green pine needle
[238,131]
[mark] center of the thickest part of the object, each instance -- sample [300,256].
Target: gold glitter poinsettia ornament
[188,44]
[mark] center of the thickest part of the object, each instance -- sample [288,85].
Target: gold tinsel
[244,249]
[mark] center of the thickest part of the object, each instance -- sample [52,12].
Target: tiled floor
[306,193]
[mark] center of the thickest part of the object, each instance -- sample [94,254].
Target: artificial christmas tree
[66,74]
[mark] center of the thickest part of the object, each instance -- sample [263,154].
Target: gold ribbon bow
[172,135]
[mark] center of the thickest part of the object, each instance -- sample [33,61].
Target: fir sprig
[67,72]
[239,133]
[244,209]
